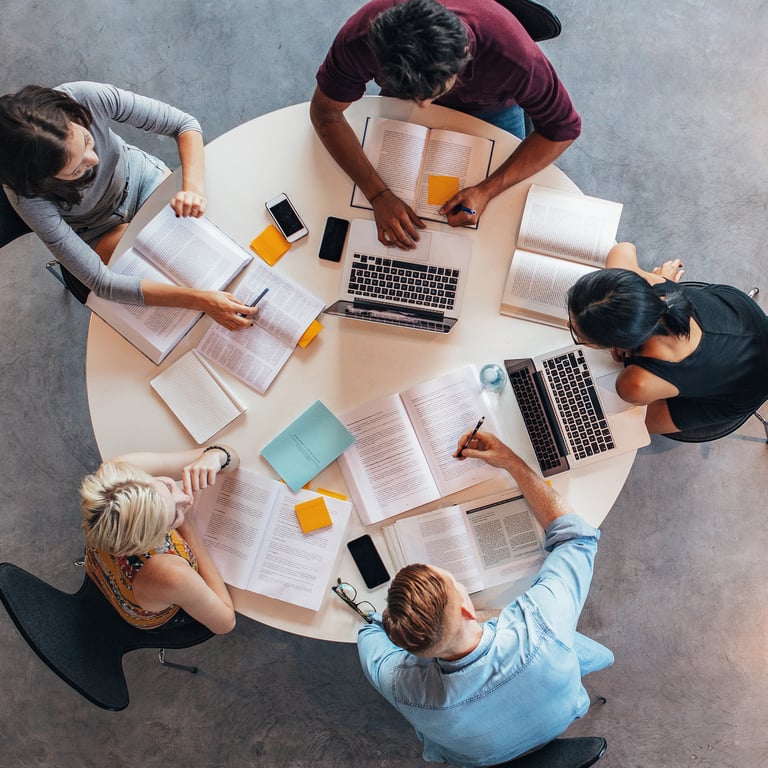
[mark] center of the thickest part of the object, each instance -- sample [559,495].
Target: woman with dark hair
[696,355]
[77,184]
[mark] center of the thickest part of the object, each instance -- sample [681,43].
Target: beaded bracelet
[220,448]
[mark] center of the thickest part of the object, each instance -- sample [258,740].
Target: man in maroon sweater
[469,55]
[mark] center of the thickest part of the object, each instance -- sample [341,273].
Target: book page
[441,410]
[395,149]
[295,566]
[385,469]
[438,538]
[537,287]
[153,330]
[191,252]
[231,517]
[506,537]
[452,154]
[569,225]
[197,396]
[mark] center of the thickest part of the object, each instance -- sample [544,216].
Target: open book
[563,235]
[249,524]
[198,397]
[405,155]
[255,355]
[485,543]
[184,251]
[404,445]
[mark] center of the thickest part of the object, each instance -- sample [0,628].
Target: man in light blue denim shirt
[482,693]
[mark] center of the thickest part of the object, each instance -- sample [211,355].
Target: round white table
[349,362]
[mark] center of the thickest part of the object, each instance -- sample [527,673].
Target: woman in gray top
[77,184]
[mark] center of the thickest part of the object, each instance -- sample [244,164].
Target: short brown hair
[416,607]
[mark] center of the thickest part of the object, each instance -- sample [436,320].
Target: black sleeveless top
[726,376]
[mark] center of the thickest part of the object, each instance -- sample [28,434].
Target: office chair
[539,22]
[576,752]
[82,638]
[716,431]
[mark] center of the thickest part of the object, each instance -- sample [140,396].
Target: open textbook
[405,155]
[404,445]
[484,543]
[255,355]
[563,235]
[249,525]
[184,251]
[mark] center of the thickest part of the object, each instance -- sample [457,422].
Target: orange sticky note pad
[332,494]
[441,188]
[310,333]
[313,514]
[270,245]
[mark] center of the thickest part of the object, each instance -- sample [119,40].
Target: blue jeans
[510,119]
[592,655]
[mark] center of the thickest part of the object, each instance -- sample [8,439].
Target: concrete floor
[675,104]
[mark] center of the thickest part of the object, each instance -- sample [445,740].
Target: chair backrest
[576,752]
[11,225]
[81,637]
[539,22]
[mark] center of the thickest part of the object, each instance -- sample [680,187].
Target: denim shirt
[520,687]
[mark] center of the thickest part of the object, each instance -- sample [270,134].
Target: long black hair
[618,308]
[34,128]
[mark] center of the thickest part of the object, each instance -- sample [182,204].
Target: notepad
[441,189]
[270,245]
[198,397]
[313,514]
[307,446]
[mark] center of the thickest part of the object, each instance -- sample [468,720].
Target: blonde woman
[141,552]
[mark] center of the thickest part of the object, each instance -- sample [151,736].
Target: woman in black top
[696,355]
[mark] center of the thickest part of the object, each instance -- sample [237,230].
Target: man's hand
[489,448]
[473,199]
[396,222]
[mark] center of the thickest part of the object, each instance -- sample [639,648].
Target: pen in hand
[471,437]
[463,209]
[255,301]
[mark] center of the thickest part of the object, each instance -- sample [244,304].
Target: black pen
[471,437]
[255,301]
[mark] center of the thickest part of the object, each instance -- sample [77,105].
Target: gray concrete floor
[674,101]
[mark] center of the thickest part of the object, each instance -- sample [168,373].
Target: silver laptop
[422,288]
[573,419]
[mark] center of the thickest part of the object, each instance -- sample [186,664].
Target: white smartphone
[286,219]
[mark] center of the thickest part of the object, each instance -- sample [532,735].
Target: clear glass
[493,377]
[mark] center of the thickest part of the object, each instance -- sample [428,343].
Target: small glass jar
[493,377]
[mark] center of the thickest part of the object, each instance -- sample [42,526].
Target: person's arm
[544,501]
[196,468]
[624,256]
[532,155]
[377,652]
[190,201]
[396,222]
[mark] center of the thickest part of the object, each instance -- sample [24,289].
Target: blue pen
[464,209]
[255,301]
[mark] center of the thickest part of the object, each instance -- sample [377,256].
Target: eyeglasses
[349,594]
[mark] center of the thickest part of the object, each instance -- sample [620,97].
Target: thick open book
[405,155]
[193,253]
[255,355]
[484,543]
[249,524]
[404,445]
[198,396]
[563,235]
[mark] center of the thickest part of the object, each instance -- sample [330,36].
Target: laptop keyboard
[577,402]
[536,423]
[375,277]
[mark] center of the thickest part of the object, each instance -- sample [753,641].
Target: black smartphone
[334,235]
[368,561]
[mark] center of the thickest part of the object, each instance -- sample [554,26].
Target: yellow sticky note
[310,333]
[332,494]
[441,188]
[270,245]
[313,514]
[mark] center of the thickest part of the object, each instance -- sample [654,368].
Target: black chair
[576,752]
[82,638]
[539,22]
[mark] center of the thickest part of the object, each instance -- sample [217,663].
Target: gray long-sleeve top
[54,224]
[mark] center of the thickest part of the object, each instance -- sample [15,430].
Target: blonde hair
[123,514]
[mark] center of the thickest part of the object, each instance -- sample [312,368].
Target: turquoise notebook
[307,446]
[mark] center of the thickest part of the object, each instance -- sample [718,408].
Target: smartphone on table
[286,219]
[368,561]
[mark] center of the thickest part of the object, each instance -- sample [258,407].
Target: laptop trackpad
[606,385]
[419,254]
